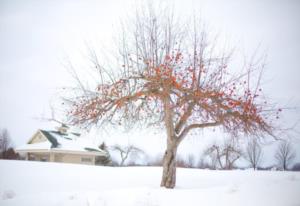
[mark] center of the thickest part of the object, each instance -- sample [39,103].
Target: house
[62,146]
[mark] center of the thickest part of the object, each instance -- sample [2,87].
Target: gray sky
[35,37]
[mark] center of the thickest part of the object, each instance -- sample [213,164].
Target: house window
[44,159]
[86,159]
[31,157]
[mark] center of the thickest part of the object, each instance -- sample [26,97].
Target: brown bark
[169,167]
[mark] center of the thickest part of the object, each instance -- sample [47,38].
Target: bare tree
[285,154]
[253,153]
[171,74]
[104,160]
[185,162]
[5,141]
[224,155]
[202,164]
[181,162]
[212,157]
[6,147]
[156,161]
[191,161]
[126,152]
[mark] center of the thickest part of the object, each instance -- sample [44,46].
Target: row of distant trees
[222,156]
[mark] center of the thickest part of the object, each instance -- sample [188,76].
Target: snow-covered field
[39,183]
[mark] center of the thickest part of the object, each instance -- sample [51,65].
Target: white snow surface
[42,183]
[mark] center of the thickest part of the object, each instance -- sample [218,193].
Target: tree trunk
[284,164]
[169,167]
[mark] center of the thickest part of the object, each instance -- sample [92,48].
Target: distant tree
[182,162]
[203,162]
[10,154]
[104,160]
[253,153]
[126,151]
[213,158]
[191,161]
[172,74]
[285,154]
[224,155]
[6,147]
[156,161]
[103,146]
[5,141]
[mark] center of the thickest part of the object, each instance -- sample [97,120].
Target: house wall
[79,159]
[65,158]
[43,157]
[38,137]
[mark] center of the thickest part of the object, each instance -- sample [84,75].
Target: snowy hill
[38,183]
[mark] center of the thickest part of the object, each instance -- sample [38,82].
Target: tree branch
[186,130]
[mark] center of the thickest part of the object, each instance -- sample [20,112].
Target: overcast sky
[36,36]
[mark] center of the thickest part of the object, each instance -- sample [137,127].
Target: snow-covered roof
[68,142]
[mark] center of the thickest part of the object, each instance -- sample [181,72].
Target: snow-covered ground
[39,183]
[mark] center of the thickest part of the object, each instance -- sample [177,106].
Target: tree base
[169,169]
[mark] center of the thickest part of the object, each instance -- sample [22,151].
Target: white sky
[35,37]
